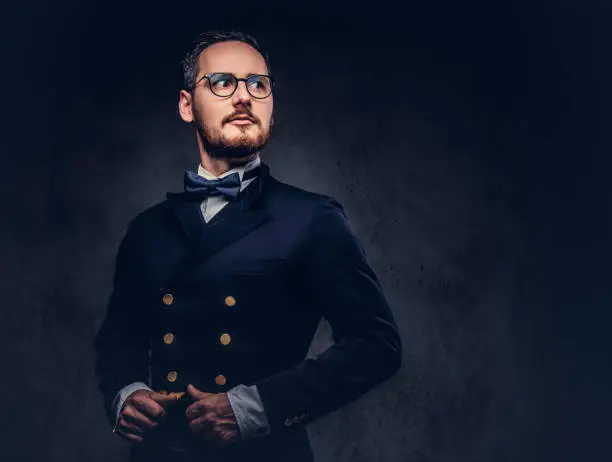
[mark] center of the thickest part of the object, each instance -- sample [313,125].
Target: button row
[168,299]
[169,338]
[172,376]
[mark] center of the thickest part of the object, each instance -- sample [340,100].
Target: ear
[185,106]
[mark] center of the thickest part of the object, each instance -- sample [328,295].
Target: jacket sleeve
[367,347]
[122,344]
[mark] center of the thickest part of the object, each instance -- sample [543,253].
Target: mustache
[248,114]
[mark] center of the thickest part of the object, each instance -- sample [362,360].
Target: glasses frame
[245,80]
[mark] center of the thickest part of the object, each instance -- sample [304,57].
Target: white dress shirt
[244,400]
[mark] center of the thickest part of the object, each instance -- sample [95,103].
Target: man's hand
[141,413]
[211,417]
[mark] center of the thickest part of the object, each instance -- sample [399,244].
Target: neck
[218,166]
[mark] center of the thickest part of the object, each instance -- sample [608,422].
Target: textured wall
[466,144]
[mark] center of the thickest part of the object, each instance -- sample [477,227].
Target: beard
[218,145]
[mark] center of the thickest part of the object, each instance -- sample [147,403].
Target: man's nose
[241,95]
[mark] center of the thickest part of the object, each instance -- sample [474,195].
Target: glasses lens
[259,86]
[222,84]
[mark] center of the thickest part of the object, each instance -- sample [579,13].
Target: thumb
[195,393]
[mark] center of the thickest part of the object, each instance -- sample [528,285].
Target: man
[219,289]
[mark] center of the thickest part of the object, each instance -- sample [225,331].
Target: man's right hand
[142,412]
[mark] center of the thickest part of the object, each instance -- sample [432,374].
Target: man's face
[220,136]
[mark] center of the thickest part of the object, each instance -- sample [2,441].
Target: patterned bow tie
[199,188]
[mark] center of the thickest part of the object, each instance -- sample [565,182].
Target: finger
[129,432]
[197,409]
[201,424]
[167,399]
[127,427]
[227,427]
[195,393]
[129,437]
[219,436]
[227,436]
[133,416]
[149,407]
[168,402]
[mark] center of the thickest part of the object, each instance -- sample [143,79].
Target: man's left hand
[211,417]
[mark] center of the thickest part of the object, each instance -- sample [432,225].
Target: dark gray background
[468,142]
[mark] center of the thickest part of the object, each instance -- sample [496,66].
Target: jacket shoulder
[295,196]
[150,215]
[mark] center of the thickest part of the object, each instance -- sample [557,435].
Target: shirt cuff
[122,395]
[249,411]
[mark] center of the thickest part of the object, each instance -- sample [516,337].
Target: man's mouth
[241,121]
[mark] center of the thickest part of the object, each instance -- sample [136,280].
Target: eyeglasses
[224,84]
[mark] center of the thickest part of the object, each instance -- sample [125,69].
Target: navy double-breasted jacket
[238,300]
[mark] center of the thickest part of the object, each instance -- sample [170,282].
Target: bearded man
[219,289]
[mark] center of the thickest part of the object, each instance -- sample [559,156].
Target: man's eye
[258,83]
[222,81]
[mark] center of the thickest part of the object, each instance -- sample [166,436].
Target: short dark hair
[206,39]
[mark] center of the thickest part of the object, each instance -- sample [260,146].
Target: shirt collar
[241,169]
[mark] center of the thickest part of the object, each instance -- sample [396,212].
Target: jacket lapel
[234,221]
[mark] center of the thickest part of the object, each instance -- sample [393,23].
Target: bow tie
[199,188]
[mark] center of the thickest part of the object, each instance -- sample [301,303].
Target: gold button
[172,376]
[225,339]
[167,299]
[230,301]
[220,380]
[169,338]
